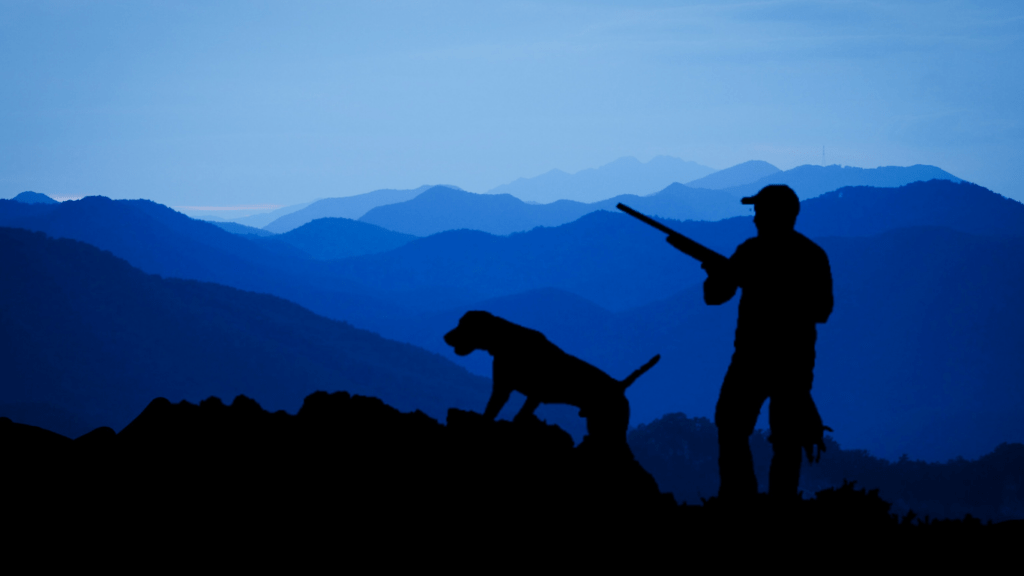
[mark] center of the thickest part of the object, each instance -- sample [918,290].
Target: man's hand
[710,261]
[716,267]
[820,443]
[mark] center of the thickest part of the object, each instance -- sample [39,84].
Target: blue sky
[228,103]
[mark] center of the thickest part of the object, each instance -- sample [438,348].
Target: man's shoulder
[808,244]
[797,243]
[796,240]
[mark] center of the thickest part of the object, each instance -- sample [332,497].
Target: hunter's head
[775,209]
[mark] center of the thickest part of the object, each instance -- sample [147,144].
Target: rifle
[693,249]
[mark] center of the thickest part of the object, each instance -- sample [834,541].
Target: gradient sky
[228,103]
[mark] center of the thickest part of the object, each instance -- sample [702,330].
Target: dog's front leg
[499,396]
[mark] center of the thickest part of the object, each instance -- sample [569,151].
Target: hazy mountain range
[327,238]
[439,209]
[335,238]
[507,209]
[351,207]
[809,180]
[236,228]
[923,331]
[623,176]
[261,220]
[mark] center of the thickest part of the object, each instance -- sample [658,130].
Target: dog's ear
[483,326]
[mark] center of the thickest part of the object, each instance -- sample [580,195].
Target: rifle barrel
[685,245]
[646,219]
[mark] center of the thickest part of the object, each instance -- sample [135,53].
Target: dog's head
[474,332]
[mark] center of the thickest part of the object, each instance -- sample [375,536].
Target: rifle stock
[682,243]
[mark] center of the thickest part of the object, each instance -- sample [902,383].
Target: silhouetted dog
[525,361]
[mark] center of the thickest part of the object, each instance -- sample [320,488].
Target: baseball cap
[776,196]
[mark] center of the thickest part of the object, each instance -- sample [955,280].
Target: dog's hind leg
[527,410]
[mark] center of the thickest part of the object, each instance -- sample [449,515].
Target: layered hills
[242,229]
[350,207]
[438,210]
[261,220]
[87,334]
[611,291]
[327,238]
[335,238]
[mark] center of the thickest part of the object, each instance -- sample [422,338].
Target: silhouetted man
[787,290]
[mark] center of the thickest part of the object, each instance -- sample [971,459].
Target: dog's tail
[640,371]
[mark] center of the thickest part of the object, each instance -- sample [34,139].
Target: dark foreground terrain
[356,475]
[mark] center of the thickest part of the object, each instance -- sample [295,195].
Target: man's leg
[735,466]
[793,420]
[735,415]
[784,477]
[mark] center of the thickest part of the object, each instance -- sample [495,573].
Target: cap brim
[749,200]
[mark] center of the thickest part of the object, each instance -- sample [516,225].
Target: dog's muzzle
[452,339]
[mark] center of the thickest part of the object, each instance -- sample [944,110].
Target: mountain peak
[351,207]
[29,197]
[737,175]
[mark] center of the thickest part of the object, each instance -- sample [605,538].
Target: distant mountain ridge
[29,197]
[626,175]
[261,220]
[440,209]
[437,211]
[174,245]
[810,180]
[737,175]
[335,238]
[242,229]
[351,207]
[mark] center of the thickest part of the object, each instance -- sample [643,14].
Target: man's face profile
[771,220]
